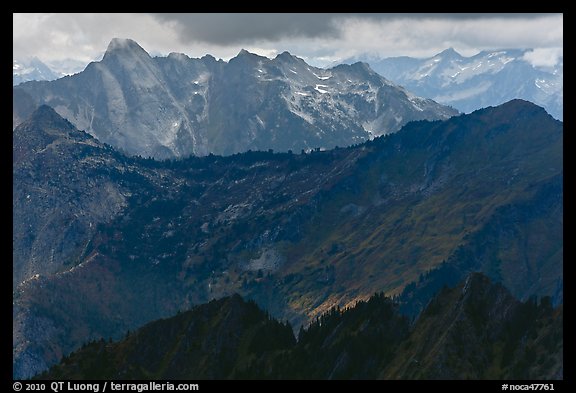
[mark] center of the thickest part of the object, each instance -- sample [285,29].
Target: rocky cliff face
[296,233]
[177,106]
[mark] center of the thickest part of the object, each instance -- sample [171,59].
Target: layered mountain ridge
[486,79]
[32,69]
[297,233]
[177,106]
[475,330]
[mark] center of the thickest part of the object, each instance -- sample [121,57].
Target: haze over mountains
[176,106]
[405,213]
[486,79]
[34,69]
[24,70]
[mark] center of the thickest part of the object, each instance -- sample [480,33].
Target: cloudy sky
[320,39]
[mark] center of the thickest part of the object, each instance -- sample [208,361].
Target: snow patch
[319,89]
[322,78]
[259,120]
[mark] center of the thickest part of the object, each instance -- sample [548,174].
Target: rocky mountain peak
[176,106]
[42,128]
[246,56]
[124,47]
[178,56]
[46,117]
[363,66]
[286,56]
[449,53]
[244,52]
[487,78]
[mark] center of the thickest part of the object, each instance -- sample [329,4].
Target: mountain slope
[208,342]
[470,83]
[62,178]
[302,233]
[479,331]
[176,106]
[476,330]
[513,233]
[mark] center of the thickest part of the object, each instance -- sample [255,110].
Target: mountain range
[475,330]
[33,69]
[488,78]
[404,214]
[176,106]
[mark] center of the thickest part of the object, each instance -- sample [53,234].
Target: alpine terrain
[105,243]
[176,106]
[33,69]
[488,78]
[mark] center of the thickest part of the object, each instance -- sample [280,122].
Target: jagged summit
[41,129]
[284,55]
[122,43]
[244,52]
[361,65]
[487,78]
[175,106]
[288,57]
[124,46]
[245,55]
[449,53]
[46,116]
[178,56]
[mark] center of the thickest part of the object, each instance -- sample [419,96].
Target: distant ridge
[176,106]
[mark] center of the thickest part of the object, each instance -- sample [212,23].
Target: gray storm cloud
[233,28]
[223,29]
[319,38]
